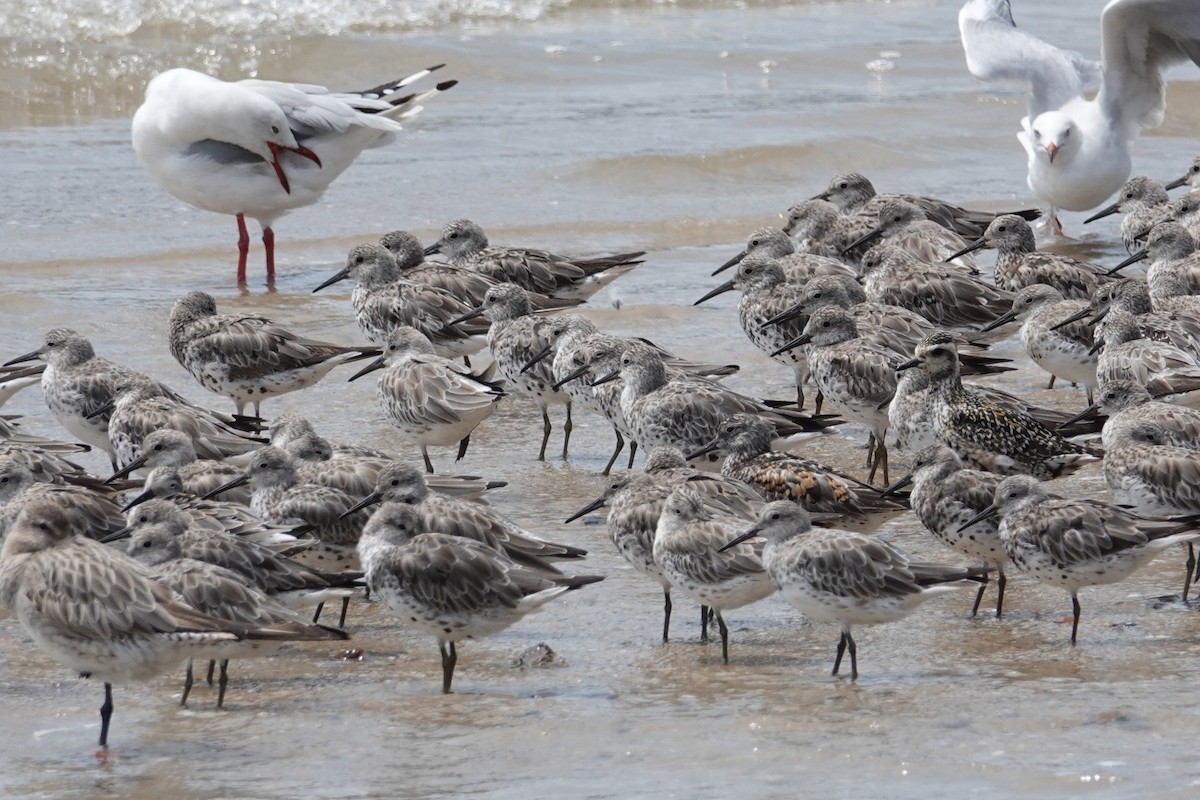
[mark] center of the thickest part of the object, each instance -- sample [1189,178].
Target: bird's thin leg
[872,458]
[799,396]
[881,454]
[703,624]
[1075,620]
[620,446]
[1188,568]
[187,684]
[345,606]
[841,650]
[853,656]
[243,249]
[463,444]
[269,247]
[545,433]
[632,452]
[425,455]
[106,714]
[449,659]
[222,682]
[1050,385]
[666,614]
[567,431]
[1001,580]
[979,595]
[1090,396]
[317,615]
[212,665]
[820,401]
[724,637]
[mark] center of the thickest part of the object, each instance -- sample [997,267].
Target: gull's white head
[1055,135]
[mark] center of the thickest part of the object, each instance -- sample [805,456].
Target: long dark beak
[34,356]
[137,501]
[978,244]
[436,247]
[1175,184]
[369,368]
[912,362]
[240,480]
[887,402]
[803,338]
[1087,412]
[703,451]
[117,536]
[1094,321]
[727,286]
[341,276]
[870,236]
[545,351]
[888,491]
[1078,315]
[786,315]
[749,534]
[137,463]
[612,376]
[104,409]
[1096,347]
[579,373]
[472,314]
[366,502]
[822,196]
[990,511]
[1003,319]
[1133,259]
[733,262]
[598,503]
[1107,211]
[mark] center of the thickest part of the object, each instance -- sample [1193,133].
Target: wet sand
[663,144]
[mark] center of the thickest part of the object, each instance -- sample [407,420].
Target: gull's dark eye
[274,129]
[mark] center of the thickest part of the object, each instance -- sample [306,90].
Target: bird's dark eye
[825,324]
[42,526]
[816,296]
[843,185]
[157,447]
[147,544]
[359,259]
[4,479]
[1002,228]
[395,483]
[452,236]
[274,129]
[775,515]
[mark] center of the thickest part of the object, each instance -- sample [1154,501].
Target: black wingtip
[444,85]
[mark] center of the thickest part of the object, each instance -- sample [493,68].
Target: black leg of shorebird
[799,397]
[1189,568]
[703,624]
[724,637]
[632,453]
[449,659]
[1050,385]
[1090,398]
[106,714]
[545,433]
[188,680]
[817,403]
[1075,611]
[853,648]
[567,426]
[428,463]
[871,456]
[462,447]
[979,595]
[345,606]
[841,651]
[222,682]
[212,665]
[317,613]
[666,614]
[620,446]
[1001,581]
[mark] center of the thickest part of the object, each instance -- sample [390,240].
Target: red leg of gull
[269,246]
[243,249]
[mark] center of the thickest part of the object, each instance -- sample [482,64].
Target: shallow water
[674,128]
